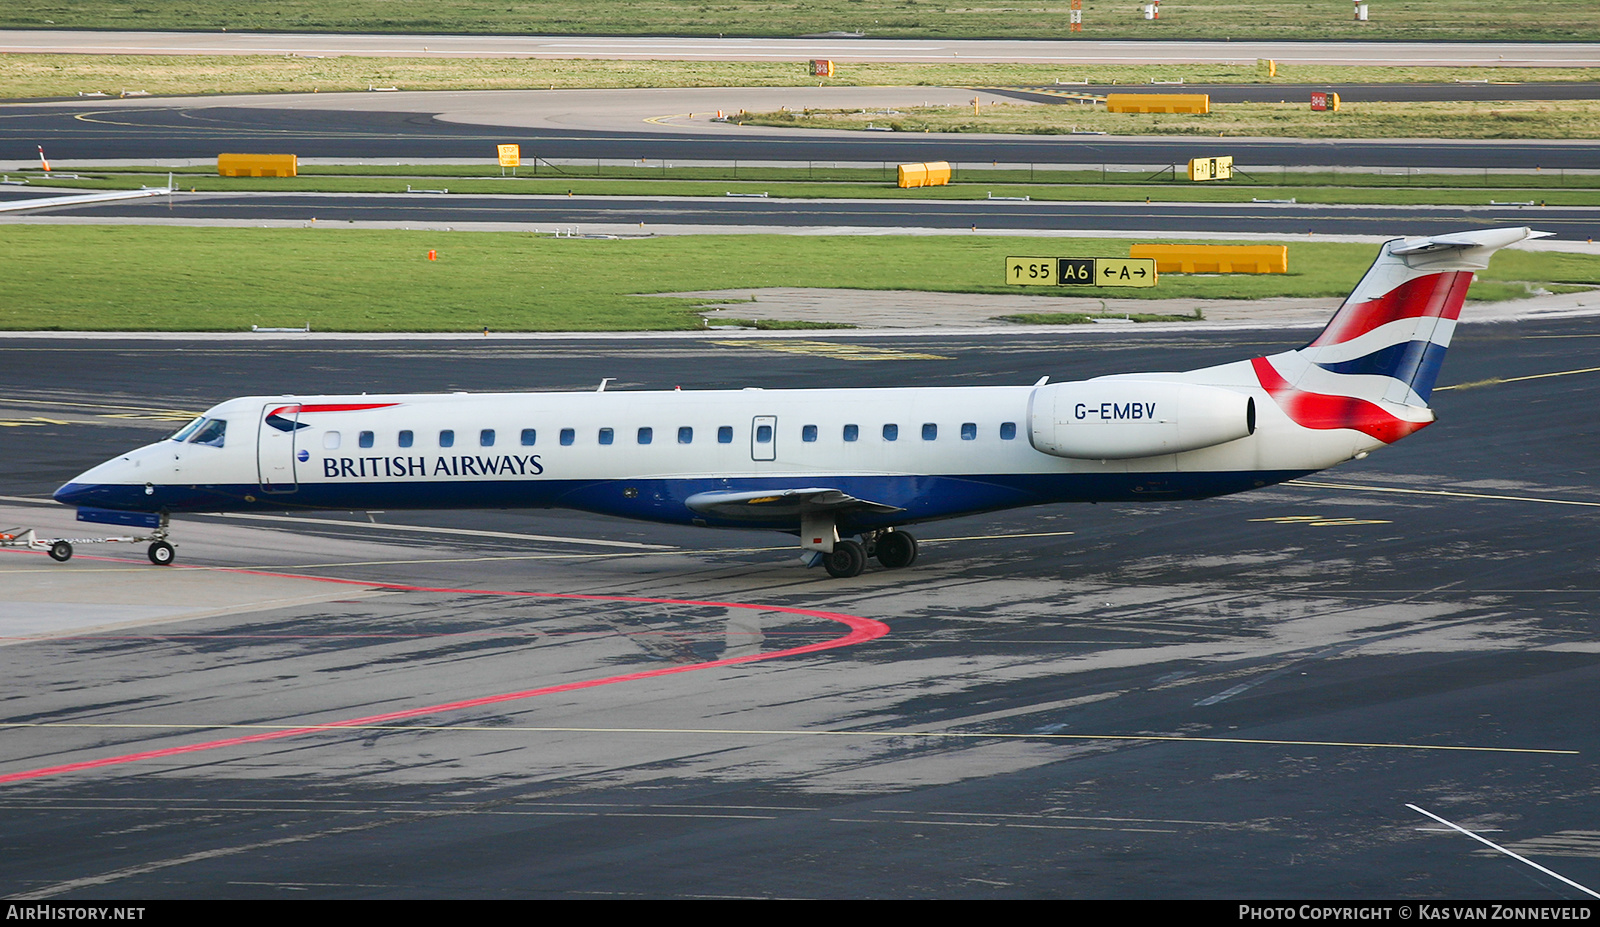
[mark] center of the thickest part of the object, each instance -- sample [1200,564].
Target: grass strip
[1520,119]
[157,278]
[25,76]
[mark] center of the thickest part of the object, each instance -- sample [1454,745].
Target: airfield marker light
[42,161]
[433,255]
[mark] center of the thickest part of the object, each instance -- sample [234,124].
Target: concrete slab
[904,309]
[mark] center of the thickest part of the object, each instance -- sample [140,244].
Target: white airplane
[829,465]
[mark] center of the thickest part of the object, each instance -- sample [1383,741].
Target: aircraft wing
[763,505]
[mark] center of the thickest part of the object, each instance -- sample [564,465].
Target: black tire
[61,551]
[848,559]
[896,550]
[162,554]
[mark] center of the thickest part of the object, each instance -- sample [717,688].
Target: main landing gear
[894,550]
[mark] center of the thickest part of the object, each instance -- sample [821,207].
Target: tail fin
[1397,322]
[1374,367]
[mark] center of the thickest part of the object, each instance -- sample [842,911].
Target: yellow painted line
[658,120]
[150,416]
[1318,521]
[1439,492]
[831,349]
[1496,381]
[999,537]
[7,400]
[727,732]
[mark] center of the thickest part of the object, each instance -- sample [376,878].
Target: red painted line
[861,631]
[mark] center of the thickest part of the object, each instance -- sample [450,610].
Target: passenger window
[405,438]
[486,438]
[891,432]
[808,433]
[330,440]
[528,437]
[606,435]
[567,434]
[364,439]
[1008,431]
[646,435]
[763,434]
[686,435]
[212,434]
[725,434]
[930,431]
[851,432]
[969,431]
[447,438]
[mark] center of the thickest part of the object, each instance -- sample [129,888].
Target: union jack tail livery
[1373,368]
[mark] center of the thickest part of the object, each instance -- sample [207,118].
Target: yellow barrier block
[930,174]
[1158,103]
[257,165]
[1215,259]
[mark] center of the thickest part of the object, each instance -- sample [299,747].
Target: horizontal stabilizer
[763,505]
[1491,239]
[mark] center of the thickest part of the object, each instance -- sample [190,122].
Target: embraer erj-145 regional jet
[829,465]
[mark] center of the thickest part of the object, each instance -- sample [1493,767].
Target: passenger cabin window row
[212,433]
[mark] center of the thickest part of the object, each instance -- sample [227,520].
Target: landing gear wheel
[61,551]
[848,559]
[896,550]
[162,554]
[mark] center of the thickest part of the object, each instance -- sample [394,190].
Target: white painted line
[79,199]
[28,500]
[468,532]
[1489,843]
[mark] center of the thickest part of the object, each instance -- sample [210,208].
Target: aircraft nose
[72,493]
[114,484]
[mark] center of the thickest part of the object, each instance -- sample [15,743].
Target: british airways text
[459,465]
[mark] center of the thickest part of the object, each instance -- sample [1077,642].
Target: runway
[665,124]
[675,215]
[1227,699]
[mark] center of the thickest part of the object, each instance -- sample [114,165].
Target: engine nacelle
[1113,419]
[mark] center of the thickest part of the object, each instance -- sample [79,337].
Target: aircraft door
[276,447]
[764,438]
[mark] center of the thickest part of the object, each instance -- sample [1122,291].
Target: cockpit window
[212,434]
[189,429]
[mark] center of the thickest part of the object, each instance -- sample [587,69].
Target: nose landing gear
[161,553]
